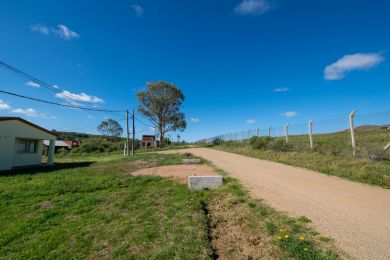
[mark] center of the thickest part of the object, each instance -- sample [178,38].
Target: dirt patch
[46,204]
[230,238]
[178,172]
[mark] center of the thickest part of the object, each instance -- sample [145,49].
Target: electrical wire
[25,76]
[62,105]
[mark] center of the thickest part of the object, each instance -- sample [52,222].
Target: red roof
[26,122]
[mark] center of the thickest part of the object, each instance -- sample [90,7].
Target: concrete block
[204,182]
[191,161]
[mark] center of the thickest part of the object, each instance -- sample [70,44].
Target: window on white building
[26,146]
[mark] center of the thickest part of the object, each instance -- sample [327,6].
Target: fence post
[257,131]
[241,136]
[311,133]
[352,128]
[269,130]
[286,132]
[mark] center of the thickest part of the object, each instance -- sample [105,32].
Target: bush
[98,145]
[280,145]
[217,141]
[260,142]
[62,152]
[329,147]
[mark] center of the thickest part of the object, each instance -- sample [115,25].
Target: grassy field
[92,207]
[331,155]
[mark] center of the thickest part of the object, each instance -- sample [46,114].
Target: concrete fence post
[269,131]
[310,128]
[352,128]
[286,132]
[257,132]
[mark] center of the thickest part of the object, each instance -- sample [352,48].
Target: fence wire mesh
[331,136]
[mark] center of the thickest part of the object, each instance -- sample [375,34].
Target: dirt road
[356,215]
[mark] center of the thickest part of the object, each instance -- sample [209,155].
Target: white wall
[9,131]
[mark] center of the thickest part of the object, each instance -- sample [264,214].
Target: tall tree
[161,103]
[110,128]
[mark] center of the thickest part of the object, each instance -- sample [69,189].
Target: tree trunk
[161,138]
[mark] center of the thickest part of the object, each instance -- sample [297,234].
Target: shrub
[329,147]
[217,141]
[98,145]
[62,152]
[260,142]
[280,145]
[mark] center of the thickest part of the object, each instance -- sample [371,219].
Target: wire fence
[366,136]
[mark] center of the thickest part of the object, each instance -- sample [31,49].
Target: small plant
[260,142]
[280,145]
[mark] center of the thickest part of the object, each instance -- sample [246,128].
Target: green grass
[94,208]
[332,155]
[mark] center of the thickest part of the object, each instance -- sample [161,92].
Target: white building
[21,143]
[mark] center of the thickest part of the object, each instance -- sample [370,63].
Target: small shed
[21,143]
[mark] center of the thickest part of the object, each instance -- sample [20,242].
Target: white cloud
[62,31]
[65,32]
[31,112]
[250,121]
[82,97]
[281,89]
[195,120]
[253,7]
[358,61]
[4,106]
[40,28]
[33,84]
[55,86]
[289,114]
[138,10]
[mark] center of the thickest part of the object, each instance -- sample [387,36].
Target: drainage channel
[214,254]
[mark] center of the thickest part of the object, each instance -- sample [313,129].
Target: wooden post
[132,143]
[286,132]
[352,128]
[310,126]
[257,132]
[269,130]
[241,137]
[127,133]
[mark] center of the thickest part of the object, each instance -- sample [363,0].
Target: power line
[142,123]
[25,76]
[62,105]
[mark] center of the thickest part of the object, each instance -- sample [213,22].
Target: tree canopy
[161,103]
[110,128]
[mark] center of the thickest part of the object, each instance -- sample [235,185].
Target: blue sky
[240,63]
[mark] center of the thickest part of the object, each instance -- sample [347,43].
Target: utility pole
[127,132]
[132,144]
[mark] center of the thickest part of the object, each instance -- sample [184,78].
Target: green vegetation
[332,153]
[92,207]
[97,209]
[160,103]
